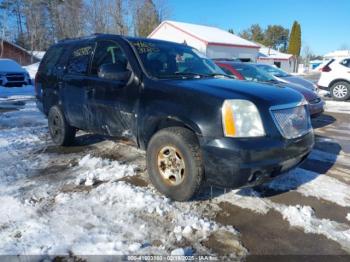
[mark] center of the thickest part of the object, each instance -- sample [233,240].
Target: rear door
[74,85]
[46,80]
[113,104]
[345,65]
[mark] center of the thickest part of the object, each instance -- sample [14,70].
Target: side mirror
[113,72]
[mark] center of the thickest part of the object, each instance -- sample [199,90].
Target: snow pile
[304,217]
[95,169]
[348,216]
[83,207]
[312,184]
[32,69]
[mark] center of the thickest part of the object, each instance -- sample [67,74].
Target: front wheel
[340,91]
[174,163]
[61,132]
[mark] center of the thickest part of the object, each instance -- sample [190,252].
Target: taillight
[326,69]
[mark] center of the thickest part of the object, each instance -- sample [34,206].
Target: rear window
[51,59]
[79,60]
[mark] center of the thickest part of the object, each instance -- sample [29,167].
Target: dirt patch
[224,243]
[135,180]
[5,110]
[269,234]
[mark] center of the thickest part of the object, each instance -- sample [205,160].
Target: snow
[61,212]
[210,34]
[338,107]
[95,169]
[312,184]
[348,216]
[266,52]
[32,69]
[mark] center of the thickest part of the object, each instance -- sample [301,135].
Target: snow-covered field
[85,200]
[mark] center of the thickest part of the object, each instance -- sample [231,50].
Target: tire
[61,132]
[340,91]
[187,157]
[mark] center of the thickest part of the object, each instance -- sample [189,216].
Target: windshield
[273,70]
[252,73]
[166,60]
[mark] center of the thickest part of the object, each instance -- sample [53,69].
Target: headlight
[241,118]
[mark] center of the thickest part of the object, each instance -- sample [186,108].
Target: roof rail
[81,37]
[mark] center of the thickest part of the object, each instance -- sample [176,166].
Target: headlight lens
[241,118]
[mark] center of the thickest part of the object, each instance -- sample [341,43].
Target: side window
[346,62]
[79,60]
[107,52]
[51,59]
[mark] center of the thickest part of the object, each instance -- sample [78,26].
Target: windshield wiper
[186,74]
[224,75]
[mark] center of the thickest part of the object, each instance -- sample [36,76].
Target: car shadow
[319,162]
[322,121]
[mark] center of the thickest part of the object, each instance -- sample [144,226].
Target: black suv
[196,123]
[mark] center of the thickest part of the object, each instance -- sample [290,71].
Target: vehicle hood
[297,80]
[307,93]
[8,66]
[236,89]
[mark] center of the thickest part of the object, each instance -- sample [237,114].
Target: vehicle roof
[231,62]
[112,36]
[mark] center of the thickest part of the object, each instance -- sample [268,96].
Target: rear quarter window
[51,59]
[345,62]
[79,60]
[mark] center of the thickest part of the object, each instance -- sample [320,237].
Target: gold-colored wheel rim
[171,165]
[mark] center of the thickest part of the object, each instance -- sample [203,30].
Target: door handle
[90,91]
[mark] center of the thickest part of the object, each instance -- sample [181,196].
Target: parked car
[335,77]
[196,124]
[285,77]
[252,72]
[12,74]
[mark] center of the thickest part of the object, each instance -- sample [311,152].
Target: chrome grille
[292,122]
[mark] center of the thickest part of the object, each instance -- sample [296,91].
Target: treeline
[275,36]
[36,24]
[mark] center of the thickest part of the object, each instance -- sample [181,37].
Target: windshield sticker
[144,47]
[82,51]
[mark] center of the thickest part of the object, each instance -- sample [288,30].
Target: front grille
[292,122]
[315,101]
[15,77]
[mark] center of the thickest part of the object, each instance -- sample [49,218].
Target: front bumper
[234,163]
[316,109]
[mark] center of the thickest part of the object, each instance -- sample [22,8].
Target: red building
[17,53]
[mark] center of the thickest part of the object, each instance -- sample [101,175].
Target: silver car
[283,76]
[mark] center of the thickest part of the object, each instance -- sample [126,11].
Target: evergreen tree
[295,40]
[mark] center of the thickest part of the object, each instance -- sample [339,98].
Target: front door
[113,104]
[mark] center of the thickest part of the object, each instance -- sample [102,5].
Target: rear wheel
[174,163]
[340,91]
[61,132]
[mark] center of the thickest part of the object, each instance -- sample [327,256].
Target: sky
[325,24]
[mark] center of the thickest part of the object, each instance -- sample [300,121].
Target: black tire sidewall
[188,187]
[341,83]
[67,133]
